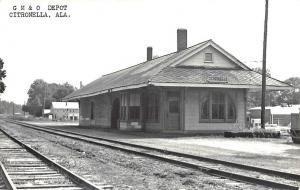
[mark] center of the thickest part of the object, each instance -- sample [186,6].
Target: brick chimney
[181,39]
[149,53]
[81,85]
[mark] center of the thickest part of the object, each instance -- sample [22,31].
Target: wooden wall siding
[123,125]
[102,108]
[295,121]
[283,120]
[153,127]
[219,60]
[84,112]
[189,111]
[192,96]
[102,111]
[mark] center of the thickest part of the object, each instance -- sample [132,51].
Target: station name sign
[217,79]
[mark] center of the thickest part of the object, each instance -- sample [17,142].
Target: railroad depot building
[201,88]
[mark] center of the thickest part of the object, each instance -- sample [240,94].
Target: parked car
[284,130]
[273,128]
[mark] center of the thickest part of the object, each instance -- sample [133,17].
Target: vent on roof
[181,39]
[149,53]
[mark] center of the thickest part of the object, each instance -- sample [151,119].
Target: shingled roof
[167,71]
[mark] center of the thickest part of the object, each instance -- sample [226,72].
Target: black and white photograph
[149,94]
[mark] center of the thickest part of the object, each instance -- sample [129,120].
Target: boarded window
[134,107]
[152,111]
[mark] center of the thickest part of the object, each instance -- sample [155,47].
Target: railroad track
[224,169]
[24,168]
[5,181]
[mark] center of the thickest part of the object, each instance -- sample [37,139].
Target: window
[152,105]
[231,111]
[205,109]
[217,107]
[123,107]
[92,110]
[134,107]
[134,112]
[208,57]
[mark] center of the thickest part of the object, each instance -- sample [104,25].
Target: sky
[103,36]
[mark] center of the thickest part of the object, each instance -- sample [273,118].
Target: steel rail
[208,170]
[7,180]
[75,178]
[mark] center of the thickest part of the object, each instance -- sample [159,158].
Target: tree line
[41,94]
[275,98]
[2,76]
[9,108]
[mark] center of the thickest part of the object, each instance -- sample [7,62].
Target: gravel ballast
[118,170]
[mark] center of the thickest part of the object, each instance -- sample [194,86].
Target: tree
[2,75]
[63,91]
[274,98]
[259,70]
[36,93]
[291,96]
[25,108]
[42,94]
[254,98]
[9,107]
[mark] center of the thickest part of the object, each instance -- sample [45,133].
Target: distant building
[47,113]
[65,110]
[280,115]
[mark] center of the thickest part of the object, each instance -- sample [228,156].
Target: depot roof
[168,70]
[65,105]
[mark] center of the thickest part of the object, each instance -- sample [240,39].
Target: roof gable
[221,58]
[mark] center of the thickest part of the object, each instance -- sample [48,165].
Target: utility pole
[24,109]
[13,111]
[44,100]
[263,91]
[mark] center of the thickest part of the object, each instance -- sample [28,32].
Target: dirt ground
[116,169]
[279,154]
